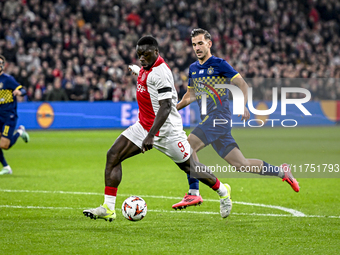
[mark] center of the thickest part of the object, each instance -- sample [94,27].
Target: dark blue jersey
[203,78]
[8,102]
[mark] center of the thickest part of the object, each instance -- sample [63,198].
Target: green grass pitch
[60,173]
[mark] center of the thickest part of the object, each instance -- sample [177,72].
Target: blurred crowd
[80,49]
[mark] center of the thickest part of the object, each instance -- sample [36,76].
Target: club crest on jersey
[143,77]
[210,70]
[1,85]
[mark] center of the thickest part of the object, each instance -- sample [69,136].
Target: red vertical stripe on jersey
[146,113]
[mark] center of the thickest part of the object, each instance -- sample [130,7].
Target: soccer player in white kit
[159,125]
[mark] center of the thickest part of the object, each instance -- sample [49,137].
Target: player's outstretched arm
[161,116]
[187,99]
[241,83]
[134,69]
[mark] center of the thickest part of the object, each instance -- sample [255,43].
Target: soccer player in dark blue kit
[9,90]
[204,74]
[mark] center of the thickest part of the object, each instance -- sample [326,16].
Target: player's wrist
[151,134]
[181,105]
[17,93]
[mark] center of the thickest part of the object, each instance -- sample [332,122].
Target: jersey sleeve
[13,84]
[164,82]
[228,71]
[23,91]
[190,86]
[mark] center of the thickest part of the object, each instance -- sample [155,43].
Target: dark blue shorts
[7,125]
[219,136]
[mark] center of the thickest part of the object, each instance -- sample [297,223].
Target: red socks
[216,185]
[111,191]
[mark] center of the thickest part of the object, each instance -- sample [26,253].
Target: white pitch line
[173,211]
[288,210]
[156,211]
[291,211]
[242,214]
[38,207]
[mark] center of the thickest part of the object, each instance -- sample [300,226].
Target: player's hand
[246,114]
[17,92]
[147,143]
[134,69]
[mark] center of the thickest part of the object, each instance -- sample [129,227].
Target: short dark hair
[199,31]
[3,58]
[148,40]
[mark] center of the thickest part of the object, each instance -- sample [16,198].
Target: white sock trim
[222,190]
[110,201]
[194,192]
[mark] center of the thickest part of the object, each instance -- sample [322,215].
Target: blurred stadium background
[86,45]
[78,50]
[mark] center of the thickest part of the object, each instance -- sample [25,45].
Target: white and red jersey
[152,86]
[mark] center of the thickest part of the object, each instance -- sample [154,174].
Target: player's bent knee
[113,156]
[4,145]
[185,166]
[239,164]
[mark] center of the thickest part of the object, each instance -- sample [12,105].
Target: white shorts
[175,145]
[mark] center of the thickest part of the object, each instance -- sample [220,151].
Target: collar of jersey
[206,62]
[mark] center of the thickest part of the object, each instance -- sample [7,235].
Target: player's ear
[210,43]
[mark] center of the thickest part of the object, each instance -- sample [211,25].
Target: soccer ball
[134,208]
